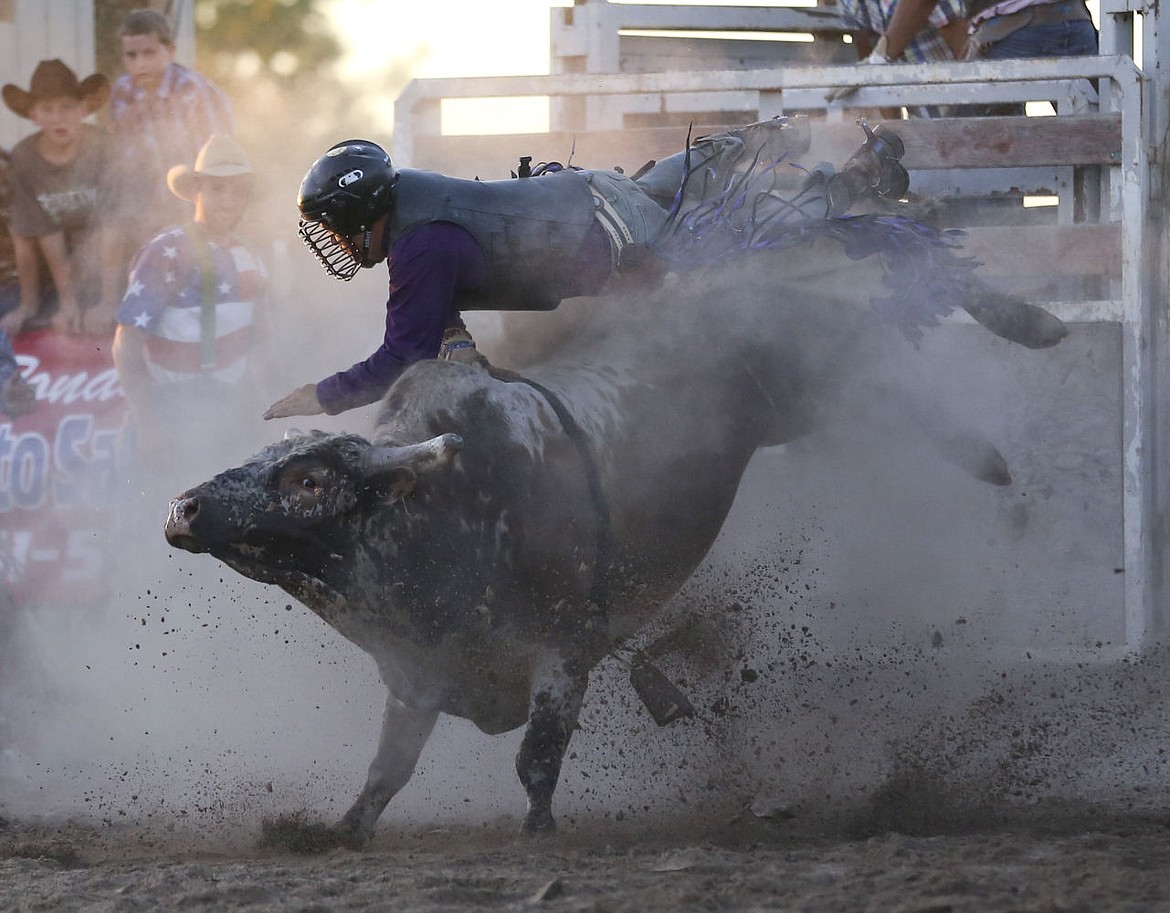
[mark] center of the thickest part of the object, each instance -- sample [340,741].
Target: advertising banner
[59,479]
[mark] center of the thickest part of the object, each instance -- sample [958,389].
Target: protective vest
[531,229]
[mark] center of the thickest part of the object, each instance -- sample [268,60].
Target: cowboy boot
[872,171]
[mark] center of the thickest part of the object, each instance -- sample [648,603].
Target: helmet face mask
[337,253]
[344,194]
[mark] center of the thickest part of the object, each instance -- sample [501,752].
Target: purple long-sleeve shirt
[430,268]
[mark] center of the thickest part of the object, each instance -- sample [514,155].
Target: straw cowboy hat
[220,157]
[52,79]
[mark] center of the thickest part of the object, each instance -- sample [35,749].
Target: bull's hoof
[994,469]
[539,824]
[976,456]
[351,835]
[350,839]
[294,833]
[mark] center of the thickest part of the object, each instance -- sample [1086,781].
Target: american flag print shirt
[164,299]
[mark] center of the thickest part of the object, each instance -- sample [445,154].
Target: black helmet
[344,193]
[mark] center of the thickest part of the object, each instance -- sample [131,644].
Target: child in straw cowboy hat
[187,323]
[60,185]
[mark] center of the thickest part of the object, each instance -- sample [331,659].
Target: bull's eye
[306,483]
[309,487]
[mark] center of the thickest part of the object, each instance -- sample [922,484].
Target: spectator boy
[162,113]
[58,179]
[186,326]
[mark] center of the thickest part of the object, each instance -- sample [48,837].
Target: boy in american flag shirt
[187,324]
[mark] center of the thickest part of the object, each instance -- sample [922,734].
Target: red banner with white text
[59,479]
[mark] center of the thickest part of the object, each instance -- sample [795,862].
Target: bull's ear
[426,456]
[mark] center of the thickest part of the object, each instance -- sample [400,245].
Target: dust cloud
[875,633]
[887,641]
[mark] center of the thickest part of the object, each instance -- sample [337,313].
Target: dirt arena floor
[1044,861]
[1038,789]
[923,775]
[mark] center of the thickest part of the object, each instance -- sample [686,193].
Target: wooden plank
[1005,142]
[724,18]
[945,143]
[1092,251]
[643,54]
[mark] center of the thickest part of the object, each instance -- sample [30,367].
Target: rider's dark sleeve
[428,267]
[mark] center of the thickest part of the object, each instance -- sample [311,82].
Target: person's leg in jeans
[1074,38]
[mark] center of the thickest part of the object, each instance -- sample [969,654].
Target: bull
[496,536]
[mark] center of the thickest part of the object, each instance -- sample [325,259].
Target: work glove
[876,56]
[458,346]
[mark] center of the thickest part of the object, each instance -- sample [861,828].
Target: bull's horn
[421,457]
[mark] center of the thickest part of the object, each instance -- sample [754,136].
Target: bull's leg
[1012,318]
[898,409]
[557,693]
[404,733]
[963,447]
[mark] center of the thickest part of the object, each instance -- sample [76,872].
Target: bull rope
[599,590]
[665,702]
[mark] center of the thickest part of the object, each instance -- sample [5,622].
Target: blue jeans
[1073,38]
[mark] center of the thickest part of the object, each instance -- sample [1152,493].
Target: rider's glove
[878,54]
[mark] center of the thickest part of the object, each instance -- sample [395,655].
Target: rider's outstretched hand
[302,401]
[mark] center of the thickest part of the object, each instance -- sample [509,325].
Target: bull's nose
[183,511]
